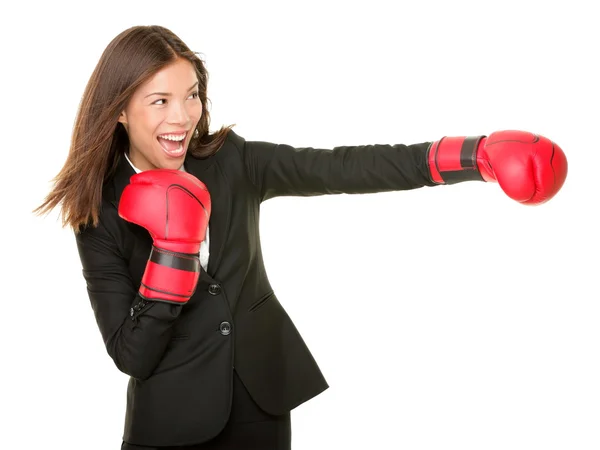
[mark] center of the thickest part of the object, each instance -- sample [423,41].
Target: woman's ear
[123,119]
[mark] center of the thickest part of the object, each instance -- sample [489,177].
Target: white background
[443,318]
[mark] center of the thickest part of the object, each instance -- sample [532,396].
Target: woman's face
[160,112]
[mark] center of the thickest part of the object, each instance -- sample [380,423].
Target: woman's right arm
[135,332]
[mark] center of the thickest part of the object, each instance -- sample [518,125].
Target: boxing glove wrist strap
[170,276]
[175,260]
[454,159]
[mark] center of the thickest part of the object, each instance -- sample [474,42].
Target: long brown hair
[98,139]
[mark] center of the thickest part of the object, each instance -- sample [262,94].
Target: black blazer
[180,358]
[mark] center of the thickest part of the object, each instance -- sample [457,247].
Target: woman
[166,218]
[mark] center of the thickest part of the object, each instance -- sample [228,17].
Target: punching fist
[174,207]
[529,168]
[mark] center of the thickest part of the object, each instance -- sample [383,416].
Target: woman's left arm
[282,170]
[529,168]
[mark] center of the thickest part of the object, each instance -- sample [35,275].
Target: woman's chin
[172,164]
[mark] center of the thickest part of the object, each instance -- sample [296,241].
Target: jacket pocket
[260,302]
[180,335]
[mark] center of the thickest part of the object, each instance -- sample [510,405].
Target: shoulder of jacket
[235,139]
[235,142]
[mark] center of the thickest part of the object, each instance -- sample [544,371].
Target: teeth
[173,137]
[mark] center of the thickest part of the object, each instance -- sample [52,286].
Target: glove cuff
[170,276]
[454,159]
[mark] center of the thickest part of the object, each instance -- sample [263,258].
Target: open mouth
[173,144]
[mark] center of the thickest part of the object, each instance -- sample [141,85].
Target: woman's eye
[196,94]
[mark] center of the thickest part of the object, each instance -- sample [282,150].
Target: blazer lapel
[209,172]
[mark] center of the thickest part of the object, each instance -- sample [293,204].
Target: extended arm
[530,168]
[280,170]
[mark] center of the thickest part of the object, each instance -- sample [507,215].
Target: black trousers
[249,427]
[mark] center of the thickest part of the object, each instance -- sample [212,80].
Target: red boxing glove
[174,207]
[529,168]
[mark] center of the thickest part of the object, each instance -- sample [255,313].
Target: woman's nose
[178,114]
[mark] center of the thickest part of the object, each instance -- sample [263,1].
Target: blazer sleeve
[135,332]
[282,170]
